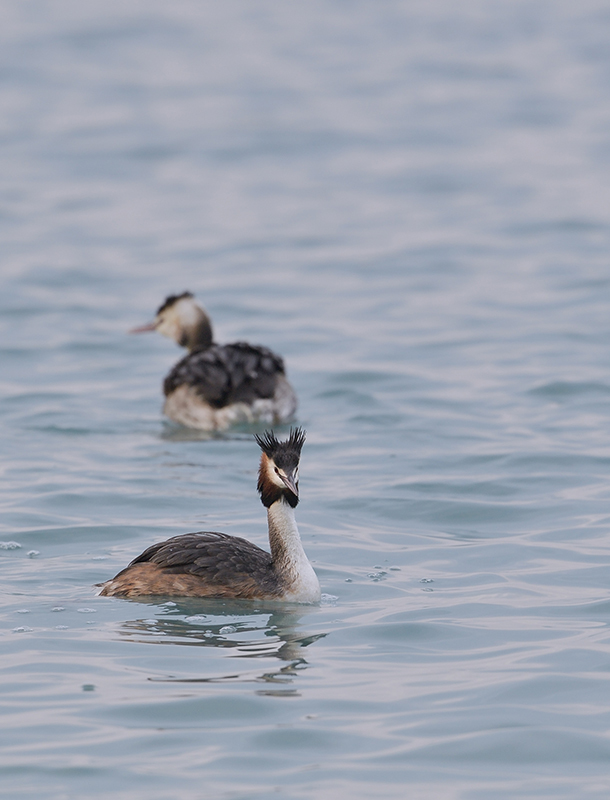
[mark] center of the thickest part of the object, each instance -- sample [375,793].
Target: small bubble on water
[23,611]
[158,633]
[90,622]
[10,546]
[99,558]
[33,553]
[88,687]
[197,618]
[22,629]
[427,590]
[169,604]
[58,608]
[86,610]
[61,627]
[377,566]
[395,569]
[426,580]
[227,629]
[208,635]
[348,580]
[328,599]
[377,576]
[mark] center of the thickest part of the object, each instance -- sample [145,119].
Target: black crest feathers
[171,299]
[272,447]
[285,456]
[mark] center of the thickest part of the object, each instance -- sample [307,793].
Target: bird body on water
[215,386]
[210,564]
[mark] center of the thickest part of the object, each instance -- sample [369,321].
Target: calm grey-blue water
[410,201]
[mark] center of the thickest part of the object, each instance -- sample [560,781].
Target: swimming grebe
[210,564]
[216,386]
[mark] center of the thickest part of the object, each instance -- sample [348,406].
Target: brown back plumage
[204,564]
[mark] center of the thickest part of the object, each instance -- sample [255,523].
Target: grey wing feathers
[225,374]
[214,557]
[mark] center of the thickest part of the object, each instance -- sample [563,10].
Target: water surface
[410,202]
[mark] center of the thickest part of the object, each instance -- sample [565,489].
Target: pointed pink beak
[290,482]
[151,326]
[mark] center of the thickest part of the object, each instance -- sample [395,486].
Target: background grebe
[210,564]
[216,386]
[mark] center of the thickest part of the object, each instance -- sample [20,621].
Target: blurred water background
[411,202]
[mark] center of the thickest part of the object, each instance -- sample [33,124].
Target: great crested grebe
[216,386]
[210,564]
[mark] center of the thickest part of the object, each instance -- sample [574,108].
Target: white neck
[291,563]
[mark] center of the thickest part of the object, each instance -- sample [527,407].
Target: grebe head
[278,475]
[182,319]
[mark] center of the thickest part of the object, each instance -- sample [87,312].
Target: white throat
[292,565]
